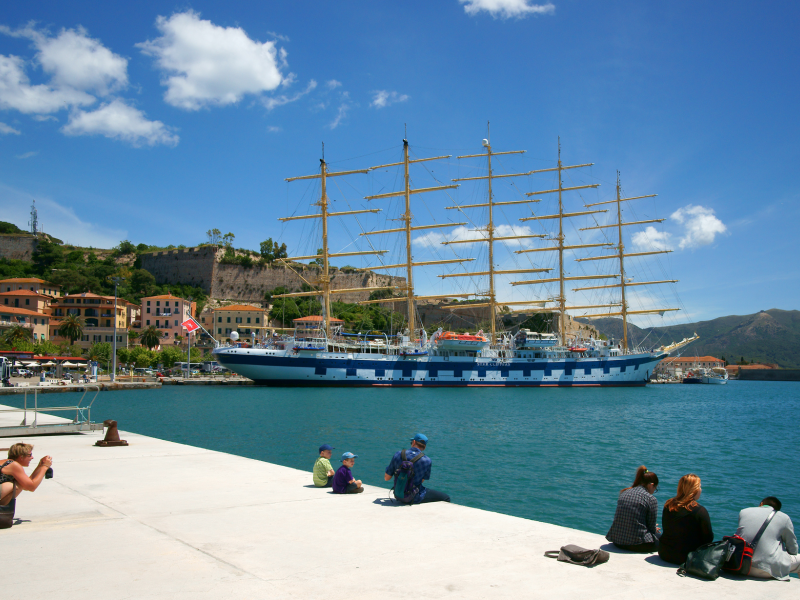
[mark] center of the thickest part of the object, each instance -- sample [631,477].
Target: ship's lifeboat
[449,340]
[578,349]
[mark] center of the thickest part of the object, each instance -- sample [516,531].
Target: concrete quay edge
[161,520]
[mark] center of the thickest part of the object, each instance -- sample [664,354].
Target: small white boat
[717,375]
[532,339]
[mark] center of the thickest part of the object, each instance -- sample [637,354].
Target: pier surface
[159,520]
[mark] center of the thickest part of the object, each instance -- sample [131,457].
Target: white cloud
[17,93]
[434,239]
[274,129]
[333,84]
[44,118]
[30,154]
[651,239]
[700,226]
[506,9]
[205,64]
[7,129]
[278,36]
[117,120]
[58,220]
[340,114]
[383,98]
[75,60]
[270,103]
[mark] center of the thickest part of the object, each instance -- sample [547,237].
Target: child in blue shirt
[343,481]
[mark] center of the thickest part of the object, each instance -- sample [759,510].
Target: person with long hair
[634,527]
[687,525]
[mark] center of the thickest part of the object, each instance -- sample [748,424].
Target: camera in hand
[49,473]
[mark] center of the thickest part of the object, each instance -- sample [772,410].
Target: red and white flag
[190,325]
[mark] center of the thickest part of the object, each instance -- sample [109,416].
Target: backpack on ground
[404,489]
[742,556]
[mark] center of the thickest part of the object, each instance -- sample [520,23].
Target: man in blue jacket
[422,471]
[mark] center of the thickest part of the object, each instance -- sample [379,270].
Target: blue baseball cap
[420,437]
[348,455]
[326,447]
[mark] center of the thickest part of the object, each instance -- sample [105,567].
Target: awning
[48,364]
[32,363]
[69,364]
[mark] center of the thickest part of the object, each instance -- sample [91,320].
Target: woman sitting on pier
[634,527]
[13,478]
[687,525]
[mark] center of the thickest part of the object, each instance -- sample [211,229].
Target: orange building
[38,323]
[166,312]
[242,318]
[97,317]
[677,366]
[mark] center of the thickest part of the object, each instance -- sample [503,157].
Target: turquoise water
[554,455]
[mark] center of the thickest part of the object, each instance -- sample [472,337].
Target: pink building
[166,313]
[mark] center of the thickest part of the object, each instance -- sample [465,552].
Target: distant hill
[769,336]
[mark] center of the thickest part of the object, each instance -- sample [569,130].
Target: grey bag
[579,556]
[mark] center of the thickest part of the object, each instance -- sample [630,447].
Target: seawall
[15,246]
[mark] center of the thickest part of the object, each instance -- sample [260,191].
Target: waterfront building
[37,323]
[166,312]
[97,317]
[26,299]
[246,319]
[32,284]
[678,366]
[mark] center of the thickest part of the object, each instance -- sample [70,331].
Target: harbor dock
[157,519]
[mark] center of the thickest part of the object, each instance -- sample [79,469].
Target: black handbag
[7,511]
[579,556]
[707,560]
[742,556]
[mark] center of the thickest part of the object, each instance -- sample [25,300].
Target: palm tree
[17,334]
[71,328]
[151,337]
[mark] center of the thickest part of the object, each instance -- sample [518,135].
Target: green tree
[100,352]
[125,247]
[71,328]
[18,334]
[142,281]
[47,255]
[318,261]
[46,348]
[170,355]
[151,337]
[142,357]
[267,250]
[124,355]
[6,227]
[227,240]
[214,236]
[133,335]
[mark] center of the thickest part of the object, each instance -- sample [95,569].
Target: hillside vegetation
[770,336]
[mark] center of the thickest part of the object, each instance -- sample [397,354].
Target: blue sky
[155,122]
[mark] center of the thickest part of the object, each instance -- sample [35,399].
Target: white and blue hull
[267,366]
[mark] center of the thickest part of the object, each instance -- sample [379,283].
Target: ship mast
[490,235]
[561,246]
[407,219]
[324,280]
[621,255]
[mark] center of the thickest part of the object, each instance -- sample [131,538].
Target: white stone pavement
[162,520]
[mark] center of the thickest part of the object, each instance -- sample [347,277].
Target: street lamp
[117,281]
[188,342]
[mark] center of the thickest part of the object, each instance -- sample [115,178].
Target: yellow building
[32,284]
[97,317]
[38,323]
[245,319]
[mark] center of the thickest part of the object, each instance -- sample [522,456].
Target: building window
[148,321]
[176,304]
[96,338]
[84,338]
[229,319]
[176,322]
[158,322]
[109,338]
[238,319]
[256,321]
[148,304]
[228,331]
[148,309]
[248,319]
[27,302]
[6,300]
[119,339]
[219,329]
[219,319]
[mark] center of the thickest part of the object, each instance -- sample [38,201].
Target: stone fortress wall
[15,246]
[201,267]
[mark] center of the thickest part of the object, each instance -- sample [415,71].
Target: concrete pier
[159,520]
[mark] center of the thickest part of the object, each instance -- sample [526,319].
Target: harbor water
[554,455]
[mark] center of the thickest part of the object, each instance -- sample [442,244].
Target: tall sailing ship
[328,356]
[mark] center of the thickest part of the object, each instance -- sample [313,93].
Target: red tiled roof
[72,358]
[315,319]
[27,280]
[24,293]
[240,307]
[163,297]
[20,311]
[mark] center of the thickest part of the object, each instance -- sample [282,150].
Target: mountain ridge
[768,336]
